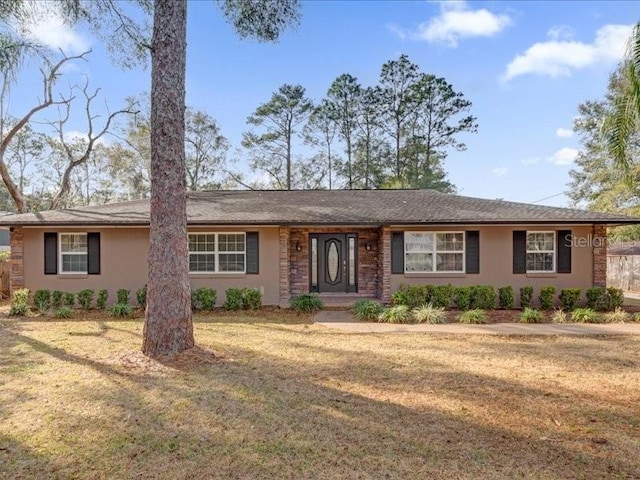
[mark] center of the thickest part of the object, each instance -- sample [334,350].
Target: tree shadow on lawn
[283,421]
[595,352]
[265,416]
[473,380]
[15,456]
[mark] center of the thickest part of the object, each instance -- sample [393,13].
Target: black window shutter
[397,252]
[253,256]
[472,254]
[564,251]
[519,251]
[50,253]
[93,253]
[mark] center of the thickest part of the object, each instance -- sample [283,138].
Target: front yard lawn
[267,398]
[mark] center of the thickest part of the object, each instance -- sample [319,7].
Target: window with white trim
[217,252]
[427,252]
[541,252]
[73,253]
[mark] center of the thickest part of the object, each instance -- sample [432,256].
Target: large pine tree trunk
[168,327]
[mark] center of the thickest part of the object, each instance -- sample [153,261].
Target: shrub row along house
[350,242]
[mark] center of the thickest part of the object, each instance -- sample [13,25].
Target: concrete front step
[343,300]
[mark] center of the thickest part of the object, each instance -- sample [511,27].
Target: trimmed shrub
[305,303]
[141,296]
[462,297]
[636,317]
[120,310]
[123,296]
[101,301]
[252,298]
[63,312]
[483,297]
[416,295]
[396,314]
[429,314]
[569,298]
[526,295]
[506,297]
[42,300]
[473,316]
[234,300]
[594,294]
[20,303]
[617,316]
[204,298]
[367,309]
[604,299]
[615,298]
[399,297]
[559,316]
[546,297]
[585,315]
[68,299]
[531,315]
[56,298]
[85,298]
[442,296]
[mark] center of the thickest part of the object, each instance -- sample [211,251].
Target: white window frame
[216,253]
[434,252]
[552,252]
[61,253]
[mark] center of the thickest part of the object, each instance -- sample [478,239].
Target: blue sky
[525,66]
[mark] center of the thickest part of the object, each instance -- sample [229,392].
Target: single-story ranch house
[348,242]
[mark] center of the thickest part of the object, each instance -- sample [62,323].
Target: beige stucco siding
[123,263]
[268,278]
[496,262]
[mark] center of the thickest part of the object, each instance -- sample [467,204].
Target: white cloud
[560,32]
[500,171]
[556,58]
[48,28]
[530,160]
[400,32]
[456,22]
[564,156]
[82,137]
[564,132]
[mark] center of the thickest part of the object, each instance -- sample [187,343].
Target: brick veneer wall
[368,276]
[384,264]
[284,266]
[600,255]
[16,275]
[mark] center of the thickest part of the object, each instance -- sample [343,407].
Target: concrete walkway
[343,320]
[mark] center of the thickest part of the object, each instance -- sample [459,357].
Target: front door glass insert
[333,261]
[314,262]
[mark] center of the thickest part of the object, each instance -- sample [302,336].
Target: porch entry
[333,259]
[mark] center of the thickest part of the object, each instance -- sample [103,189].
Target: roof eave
[396,222]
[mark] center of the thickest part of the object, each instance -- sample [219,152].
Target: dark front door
[336,262]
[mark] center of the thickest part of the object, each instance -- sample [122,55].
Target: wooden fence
[4,279]
[623,271]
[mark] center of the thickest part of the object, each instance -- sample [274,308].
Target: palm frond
[624,120]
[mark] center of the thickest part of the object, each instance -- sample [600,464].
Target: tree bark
[168,327]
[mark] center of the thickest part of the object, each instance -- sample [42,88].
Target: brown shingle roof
[328,207]
[623,249]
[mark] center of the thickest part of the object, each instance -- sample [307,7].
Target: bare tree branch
[77,158]
[48,79]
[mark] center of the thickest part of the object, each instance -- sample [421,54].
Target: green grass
[269,395]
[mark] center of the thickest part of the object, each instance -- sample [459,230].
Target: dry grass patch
[266,399]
